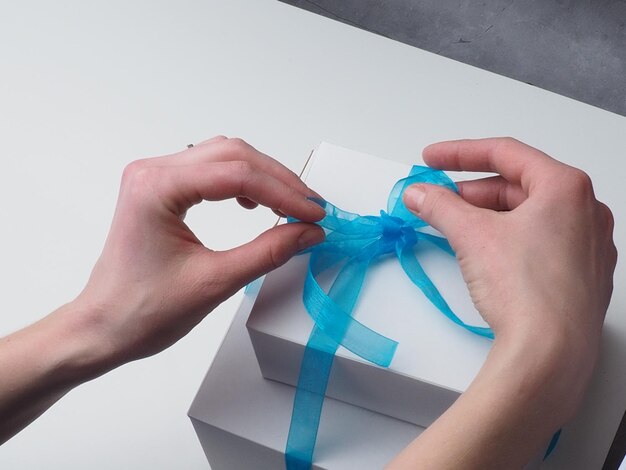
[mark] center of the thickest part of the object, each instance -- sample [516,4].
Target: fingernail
[318,201]
[311,237]
[414,197]
[319,205]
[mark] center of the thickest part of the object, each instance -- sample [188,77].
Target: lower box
[242,420]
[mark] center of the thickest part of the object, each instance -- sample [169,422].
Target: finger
[278,213]
[270,250]
[515,161]
[607,218]
[493,193]
[224,150]
[217,138]
[184,186]
[247,203]
[441,208]
[182,157]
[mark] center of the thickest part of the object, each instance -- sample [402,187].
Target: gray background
[574,48]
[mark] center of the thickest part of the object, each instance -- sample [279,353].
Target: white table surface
[86,87]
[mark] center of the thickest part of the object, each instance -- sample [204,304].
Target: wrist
[42,362]
[521,396]
[79,350]
[544,368]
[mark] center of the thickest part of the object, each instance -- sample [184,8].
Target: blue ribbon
[352,244]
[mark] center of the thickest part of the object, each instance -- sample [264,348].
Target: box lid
[431,347]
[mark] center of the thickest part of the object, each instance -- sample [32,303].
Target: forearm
[42,362]
[155,280]
[507,415]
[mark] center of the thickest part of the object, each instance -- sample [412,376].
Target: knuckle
[243,172]
[510,141]
[433,202]
[606,216]
[507,143]
[137,173]
[579,182]
[237,145]
[132,168]
[274,256]
[503,198]
[292,174]
[281,251]
[139,181]
[214,140]
[609,217]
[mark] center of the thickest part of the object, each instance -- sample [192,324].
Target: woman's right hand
[535,247]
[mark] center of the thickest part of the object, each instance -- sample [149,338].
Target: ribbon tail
[416,273]
[321,347]
[439,242]
[319,354]
[332,313]
[317,363]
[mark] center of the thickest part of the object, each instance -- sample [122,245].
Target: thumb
[441,208]
[268,251]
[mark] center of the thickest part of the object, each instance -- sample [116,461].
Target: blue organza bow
[352,244]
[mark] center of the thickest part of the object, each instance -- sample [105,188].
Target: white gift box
[242,420]
[435,361]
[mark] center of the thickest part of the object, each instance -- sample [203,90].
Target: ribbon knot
[353,242]
[396,230]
